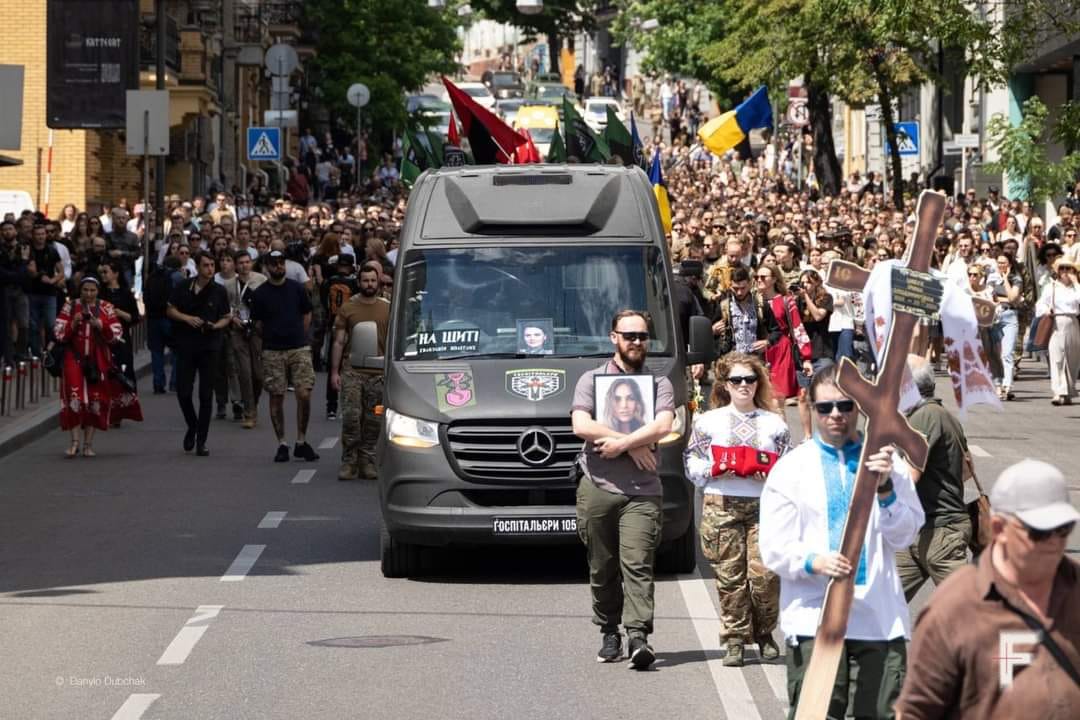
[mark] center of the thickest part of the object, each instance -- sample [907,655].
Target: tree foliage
[858,50]
[1022,152]
[392,47]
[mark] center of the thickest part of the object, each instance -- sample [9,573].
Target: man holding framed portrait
[621,412]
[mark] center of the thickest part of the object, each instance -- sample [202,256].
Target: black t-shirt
[45,259]
[821,345]
[281,310]
[211,304]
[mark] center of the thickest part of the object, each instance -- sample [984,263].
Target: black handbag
[54,359]
[124,381]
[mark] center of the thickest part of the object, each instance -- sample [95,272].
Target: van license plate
[546,525]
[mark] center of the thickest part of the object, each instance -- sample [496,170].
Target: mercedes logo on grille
[536,446]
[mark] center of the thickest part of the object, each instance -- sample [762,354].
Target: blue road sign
[907,138]
[264,143]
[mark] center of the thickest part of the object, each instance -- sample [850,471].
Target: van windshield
[556,301]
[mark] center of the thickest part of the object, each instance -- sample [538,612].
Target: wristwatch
[885,487]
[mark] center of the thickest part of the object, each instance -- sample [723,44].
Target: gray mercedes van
[506,281]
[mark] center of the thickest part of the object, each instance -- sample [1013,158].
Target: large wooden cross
[879,401]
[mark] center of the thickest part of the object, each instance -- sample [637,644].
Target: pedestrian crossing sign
[264,143]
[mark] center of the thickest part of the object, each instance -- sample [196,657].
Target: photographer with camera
[199,310]
[87,327]
[815,306]
[245,342]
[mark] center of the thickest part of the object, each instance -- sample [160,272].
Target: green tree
[857,50]
[389,46]
[1022,153]
[560,20]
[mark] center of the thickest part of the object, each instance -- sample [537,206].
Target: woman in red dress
[89,327]
[782,313]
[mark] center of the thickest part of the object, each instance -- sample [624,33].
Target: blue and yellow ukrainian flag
[729,129]
[656,177]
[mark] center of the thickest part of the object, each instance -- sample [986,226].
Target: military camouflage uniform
[749,593]
[360,393]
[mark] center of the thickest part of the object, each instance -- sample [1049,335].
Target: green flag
[436,142]
[581,142]
[413,160]
[557,150]
[618,138]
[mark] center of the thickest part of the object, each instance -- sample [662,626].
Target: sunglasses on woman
[742,379]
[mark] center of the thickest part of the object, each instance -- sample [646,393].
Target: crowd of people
[257,296]
[239,299]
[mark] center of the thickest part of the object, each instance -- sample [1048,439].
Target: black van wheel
[680,555]
[398,559]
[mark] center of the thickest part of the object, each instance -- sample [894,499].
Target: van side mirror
[700,341]
[364,346]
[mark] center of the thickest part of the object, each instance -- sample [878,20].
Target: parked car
[542,122]
[506,84]
[547,92]
[435,111]
[596,112]
[477,91]
[508,109]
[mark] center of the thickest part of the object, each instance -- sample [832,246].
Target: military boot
[367,469]
[768,649]
[347,472]
[734,657]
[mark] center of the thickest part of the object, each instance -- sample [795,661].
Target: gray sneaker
[734,657]
[611,650]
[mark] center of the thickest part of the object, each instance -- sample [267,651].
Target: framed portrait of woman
[625,403]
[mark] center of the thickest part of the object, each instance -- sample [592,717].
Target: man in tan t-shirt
[361,388]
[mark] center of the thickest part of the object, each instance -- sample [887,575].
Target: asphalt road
[146,583]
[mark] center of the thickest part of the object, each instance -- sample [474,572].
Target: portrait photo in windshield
[536,337]
[624,403]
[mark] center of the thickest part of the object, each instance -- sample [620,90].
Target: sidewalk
[26,426]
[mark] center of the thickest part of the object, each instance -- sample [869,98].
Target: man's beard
[631,363]
[277,274]
[369,291]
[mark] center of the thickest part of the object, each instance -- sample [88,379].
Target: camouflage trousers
[360,393]
[749,593]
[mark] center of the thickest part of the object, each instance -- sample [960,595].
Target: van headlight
[678,426]
[410,432]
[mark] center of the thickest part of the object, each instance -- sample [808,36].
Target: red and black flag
[490,139]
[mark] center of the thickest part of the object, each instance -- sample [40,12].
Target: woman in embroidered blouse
[88,326]
[1062,298]
[730,452]
[781,312]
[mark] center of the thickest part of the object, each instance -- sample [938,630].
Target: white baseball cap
[1036,493]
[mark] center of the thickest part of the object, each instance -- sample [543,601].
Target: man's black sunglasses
[633,336]
[742,379]
[1036,535]
[826,408]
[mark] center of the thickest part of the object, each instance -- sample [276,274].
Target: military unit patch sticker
[535,384]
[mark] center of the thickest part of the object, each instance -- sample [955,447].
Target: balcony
[249,28]
[283,17]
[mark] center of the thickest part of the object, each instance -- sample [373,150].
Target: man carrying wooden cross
[835,511]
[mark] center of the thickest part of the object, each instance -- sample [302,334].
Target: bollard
[5,390]
[32,380]
[20,385]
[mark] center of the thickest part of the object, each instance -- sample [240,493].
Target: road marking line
[272,519]
[134,707]
[978,451]
[328,443]
[182,645]
[777,677]
[243,563]
[189,635]
[303,477]
[730,683]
